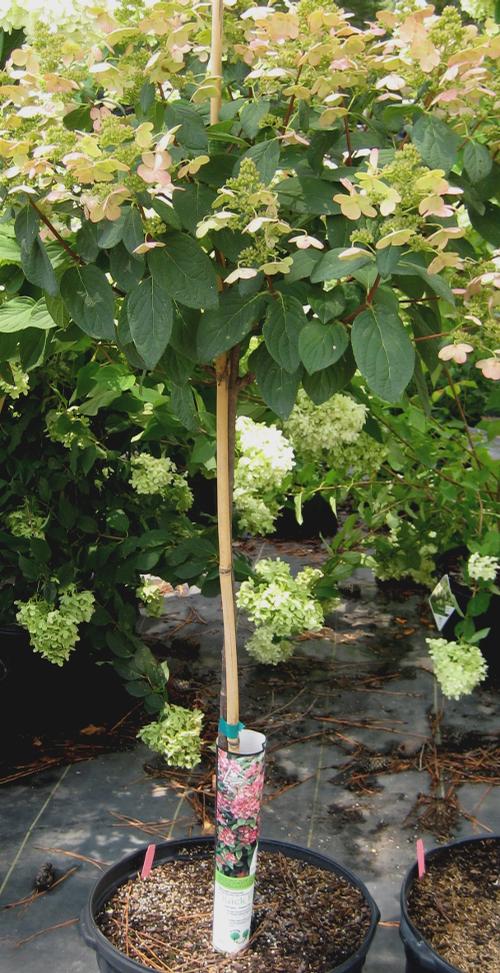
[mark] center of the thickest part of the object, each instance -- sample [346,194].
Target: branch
[348,161]
[366,303]
[291,104]
[65,245]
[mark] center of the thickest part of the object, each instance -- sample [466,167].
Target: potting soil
[306,920]
[456,906]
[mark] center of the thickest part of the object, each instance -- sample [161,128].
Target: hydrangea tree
[324,191]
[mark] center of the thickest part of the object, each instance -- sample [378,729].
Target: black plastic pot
[111,960]
[420,956]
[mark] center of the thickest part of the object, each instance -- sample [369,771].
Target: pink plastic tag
[420,857]
[148,861]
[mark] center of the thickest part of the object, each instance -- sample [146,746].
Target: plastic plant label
[148,861]
[240,782]
[420,858]
[443,602]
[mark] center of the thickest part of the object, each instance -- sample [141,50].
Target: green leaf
[266,156]
[10,252]
[424,323]
[192,203]
[38,268]
[41,318]
[176,366]
[277,386]
[383,351]
[411,268]
[150,317]
[183,405]
[251,115]
[387,260]
[184,332]
[436,141]
[488,225]
[322,385]
[330,267]
[321,345]
[185,271]
[192,133]
[125,269]
[110,232]
[308,195]
[57,311]
[89,299]
[15,315]
[86,241]
[477,161]
[285,319]
[304,262]
[327,305]
[31,348]
[222,329]
[26,227]
[79,119]
[132,231]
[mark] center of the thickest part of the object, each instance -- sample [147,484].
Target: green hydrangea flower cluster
[149,592]
[479,9]
[458,666]
[263,647]
[247,204]
[152,475]
[21,383]
[176,735]
[352,461]
[407,551]
[53,630]
[280,607]
[69,428]
[316,431]
[264,458]
[482,567]
[25,522]
[33,15]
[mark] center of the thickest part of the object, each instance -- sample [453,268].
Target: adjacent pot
[420,956]
[111,960]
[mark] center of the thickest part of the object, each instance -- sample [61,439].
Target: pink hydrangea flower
[457,353]
[247,835]
[490,368]
[227,837]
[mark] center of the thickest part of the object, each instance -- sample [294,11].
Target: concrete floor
[70,808]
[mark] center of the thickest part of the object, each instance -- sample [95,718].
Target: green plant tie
[230,730]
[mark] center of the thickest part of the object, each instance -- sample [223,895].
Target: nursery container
[111,960]
[420,956]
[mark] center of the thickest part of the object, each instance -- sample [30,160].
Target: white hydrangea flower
[317,431]
[263,647]
[21,383]
[151,594]
[55,14]
[482,567]
[152,475]
[282,605]
[458,666]
[265,457]
[479,9]
[176,735]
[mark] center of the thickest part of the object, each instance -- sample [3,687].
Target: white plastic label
[233,904]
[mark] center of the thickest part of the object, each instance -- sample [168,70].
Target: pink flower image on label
[240,783]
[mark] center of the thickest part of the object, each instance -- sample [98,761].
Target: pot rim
[408,880]
[130,864]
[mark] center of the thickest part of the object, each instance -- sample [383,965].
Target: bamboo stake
[226,370]
[215,64]
[229,692]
